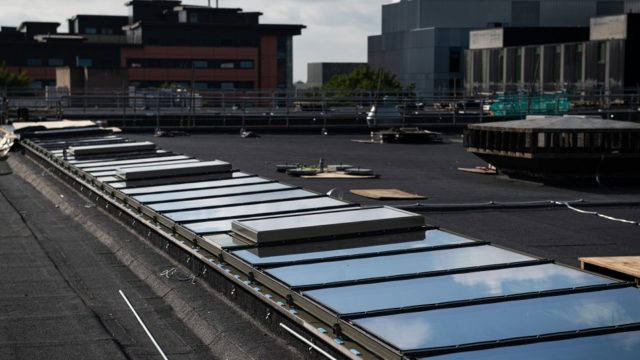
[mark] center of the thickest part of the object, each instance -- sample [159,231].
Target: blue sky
[337,30]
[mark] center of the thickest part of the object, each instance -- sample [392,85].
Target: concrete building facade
[320,73]
[605,62]
[423,41]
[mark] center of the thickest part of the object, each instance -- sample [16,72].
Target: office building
[160,42]
[423,41]
[605,62]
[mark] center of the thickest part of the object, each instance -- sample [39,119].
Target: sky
[336,30]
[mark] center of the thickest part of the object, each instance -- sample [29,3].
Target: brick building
[159,42]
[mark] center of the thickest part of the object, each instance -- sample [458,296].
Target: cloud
[336,30]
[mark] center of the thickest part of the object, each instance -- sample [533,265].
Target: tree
[365,78]
[9,79]
[378,81]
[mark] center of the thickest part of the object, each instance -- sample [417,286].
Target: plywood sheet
[387,194]
[628,265]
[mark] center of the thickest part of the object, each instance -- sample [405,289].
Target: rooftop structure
[559,148]
[330,270]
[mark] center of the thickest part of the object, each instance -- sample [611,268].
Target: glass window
[227,65]
[209,227]
[227,86]
[84,62]
[106,31]
[56,62]
[193,18]
[239,178]
[390,265]
[233,200]
[366,245]
[90,30]
[253,185]
[458,287]
[34,62]
[106,165]
[256,209]
[200,64]
[506,320]
[246,64]
[620,346]
[105,172]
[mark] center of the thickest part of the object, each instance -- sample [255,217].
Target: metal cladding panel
[327,224]
[609,28]
[204,167]
[111,148]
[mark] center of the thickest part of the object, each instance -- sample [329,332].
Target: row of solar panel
[414,293]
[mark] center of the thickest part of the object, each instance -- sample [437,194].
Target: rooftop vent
[326,224]
[174,170]
[111,148]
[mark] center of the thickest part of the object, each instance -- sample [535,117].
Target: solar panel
[221,190]
[619,346]
[233,200]
[506,320]
[262,256]
[449,288]
[393,265]
[255,209]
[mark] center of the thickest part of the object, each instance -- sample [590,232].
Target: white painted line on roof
[155,343]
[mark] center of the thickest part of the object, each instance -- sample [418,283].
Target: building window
[201,85]
[227,65]
[193,18]
[200,64]
[56,62]
[84,62]
[602,53]
[579,54]
[34,62]
[246,64]
[106,31]
[36,84]
[454,60]
[227,86]
[90,30]
[518,66]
